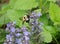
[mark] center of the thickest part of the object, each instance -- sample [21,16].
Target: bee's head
[26,19]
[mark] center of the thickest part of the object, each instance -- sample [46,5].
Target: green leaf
[2,35]
[45,7]
[41,3]
[4,9]
[46,37]
[3,20]
[52,0]
[15,15]
[25,4]
[51,29]
[12,3]
[38,10]
[44,19]
[54,12]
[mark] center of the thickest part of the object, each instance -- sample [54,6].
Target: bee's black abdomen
[28,16]
[27,21]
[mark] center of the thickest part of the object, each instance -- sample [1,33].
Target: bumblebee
[26,19]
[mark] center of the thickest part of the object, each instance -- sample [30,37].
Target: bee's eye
[24,17]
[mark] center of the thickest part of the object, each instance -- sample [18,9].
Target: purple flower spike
[9,24]
[26,38]
[18,34]
[12,29]
[26,33]
[39,14]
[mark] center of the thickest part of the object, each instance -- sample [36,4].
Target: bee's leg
[27,21]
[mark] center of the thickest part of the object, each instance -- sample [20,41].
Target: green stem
[55,39]
[40,4]
[44,3]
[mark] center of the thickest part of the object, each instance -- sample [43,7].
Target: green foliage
[2,35]
[24,4]
[12,3]
[4,8]
[51,29]
[54,11]
[52,0]
[47,34]
[16,9]
[46,37]
[44,19]
[15,15]
[3,20]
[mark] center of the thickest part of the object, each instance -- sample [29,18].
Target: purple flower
[26,33]
[26,38]
[7,37]
[4,43]
[14,23]
[10,43]
[39,14]
[32,28]
[12,29]
[9,24]
[24,28]
[33,13]
[12,38]
[7,29]
[18,41]
[18,34]
[18,30]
